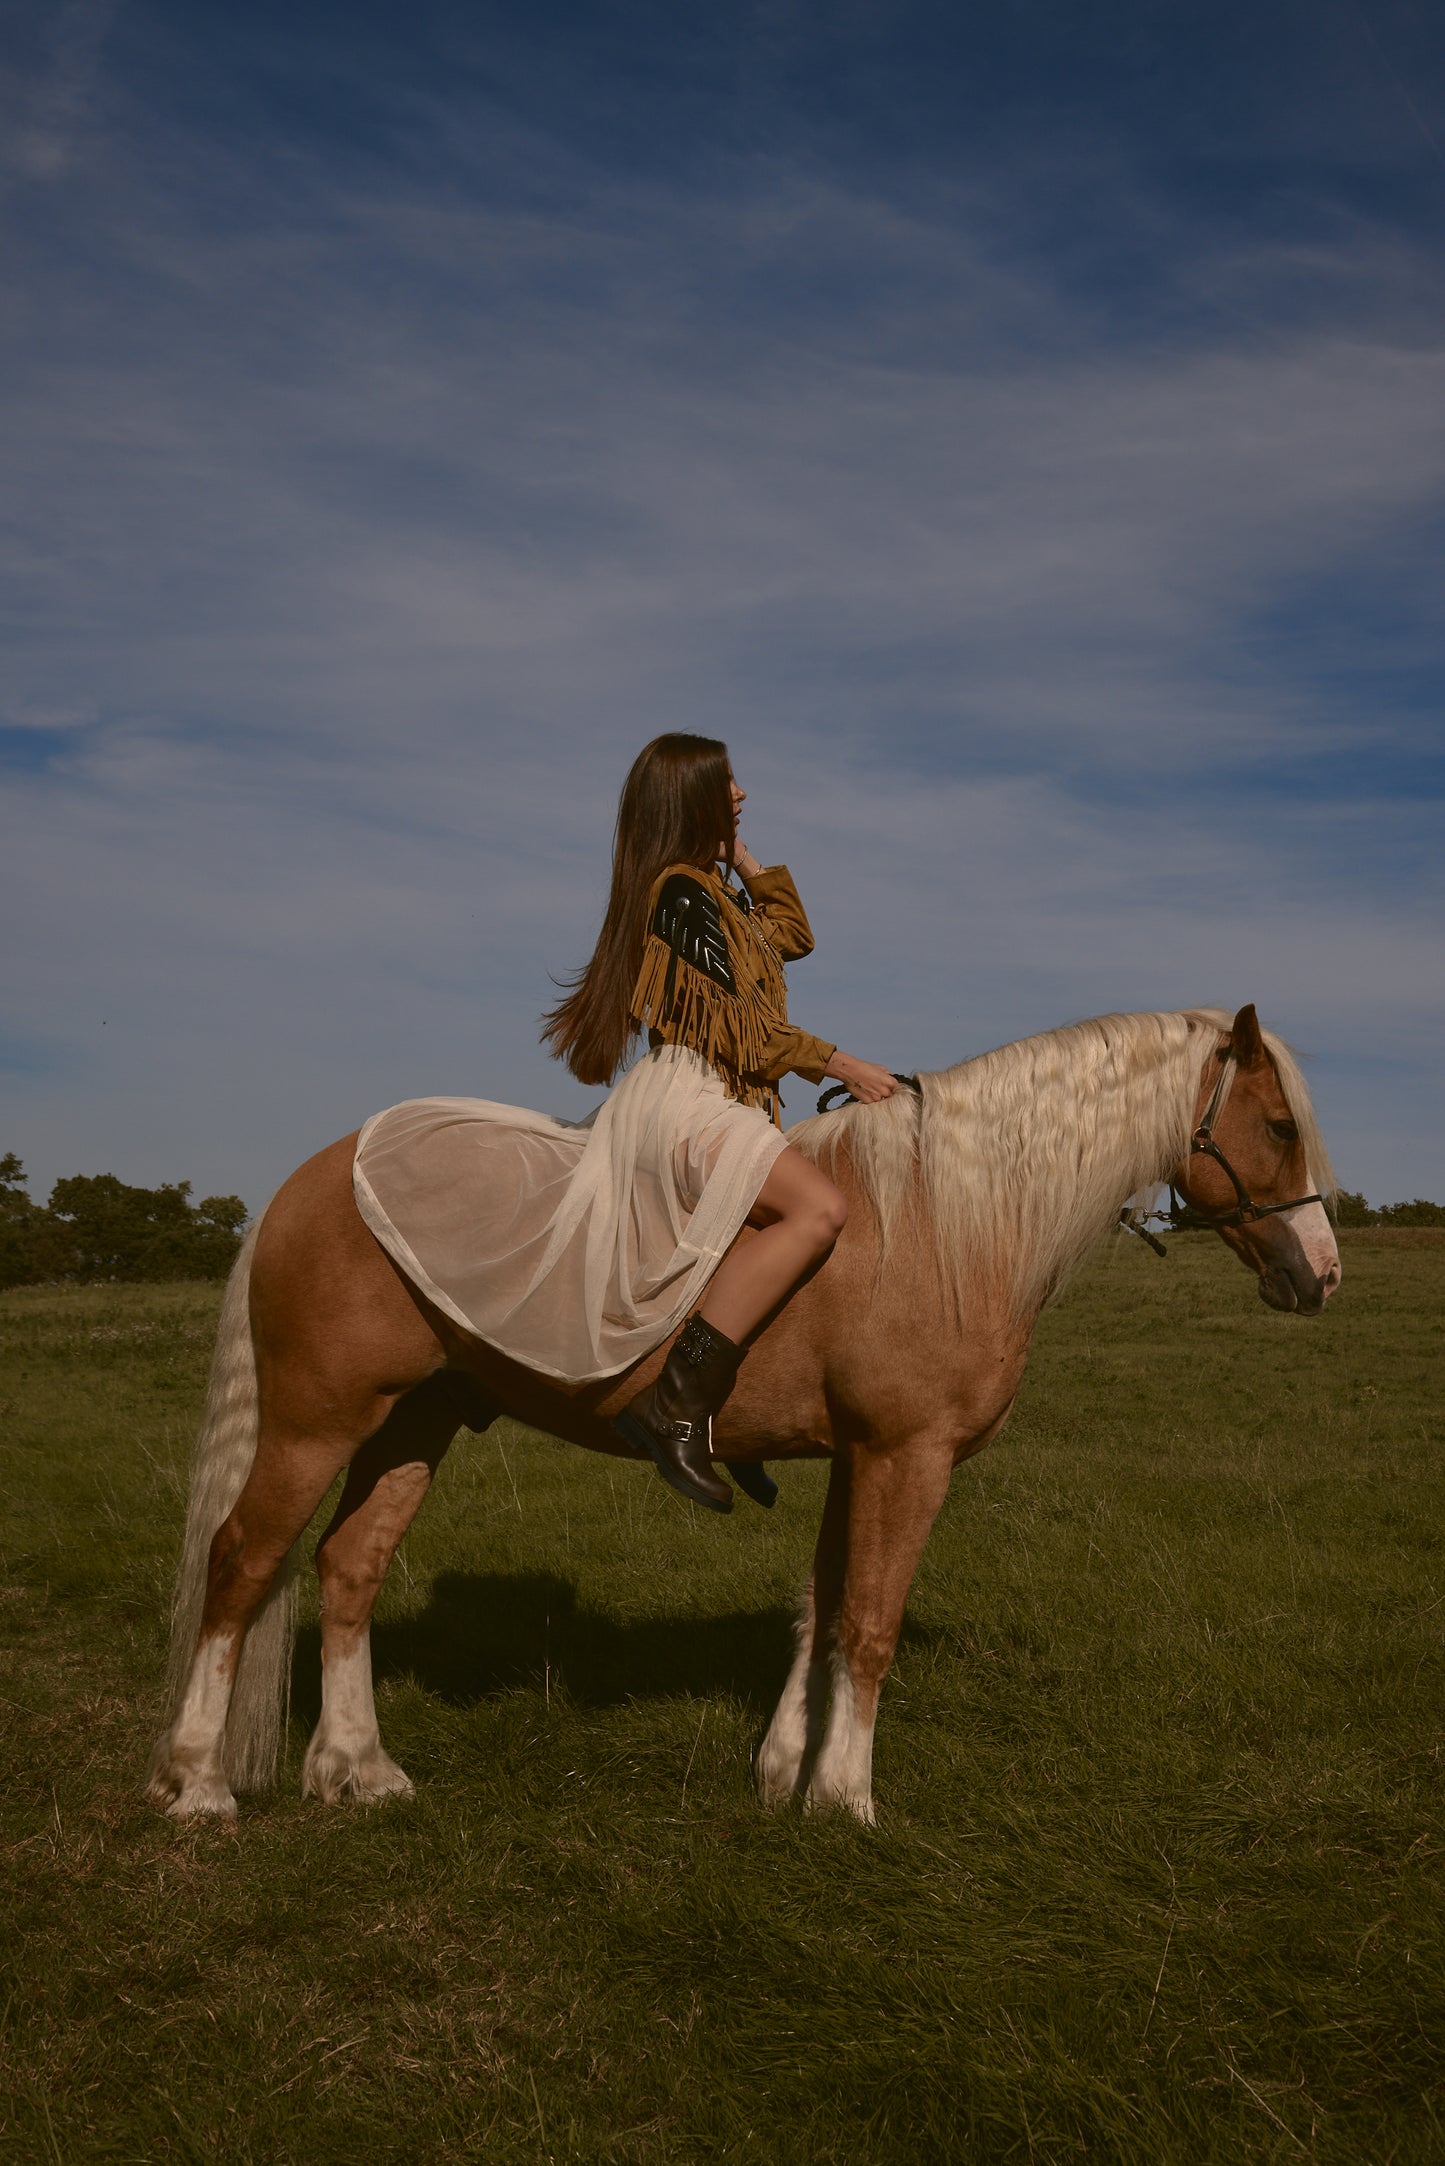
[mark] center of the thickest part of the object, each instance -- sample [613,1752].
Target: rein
[842,1092]
[1183,1217]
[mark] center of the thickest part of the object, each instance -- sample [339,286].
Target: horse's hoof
[379,1778]
[777,1781]
[185,1793]
[191,1800]
[331,1775]
[201,1798]
[852,1801]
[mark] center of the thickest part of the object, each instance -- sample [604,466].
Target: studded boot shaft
[672,1419]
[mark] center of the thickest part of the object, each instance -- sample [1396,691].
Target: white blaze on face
[1310,1225]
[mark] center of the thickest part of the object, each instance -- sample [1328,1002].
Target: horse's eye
[1284,1131]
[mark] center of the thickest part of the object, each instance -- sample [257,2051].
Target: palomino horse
[970,1204]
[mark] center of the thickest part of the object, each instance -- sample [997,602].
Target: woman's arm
[775,904]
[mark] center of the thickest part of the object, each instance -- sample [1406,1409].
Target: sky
[1018,431]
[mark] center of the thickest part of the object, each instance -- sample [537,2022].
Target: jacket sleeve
[778,910]
[796,1052]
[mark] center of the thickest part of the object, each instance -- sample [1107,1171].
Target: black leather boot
[672,1419]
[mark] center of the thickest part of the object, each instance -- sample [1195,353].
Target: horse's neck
[1018,1191]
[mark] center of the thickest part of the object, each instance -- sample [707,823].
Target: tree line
[1352,1210]
[96,1227]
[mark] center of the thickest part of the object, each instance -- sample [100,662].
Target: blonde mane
[1021,1158]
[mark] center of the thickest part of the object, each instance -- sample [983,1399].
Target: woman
[698,964]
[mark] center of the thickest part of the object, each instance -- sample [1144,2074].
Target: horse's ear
[1246,1039]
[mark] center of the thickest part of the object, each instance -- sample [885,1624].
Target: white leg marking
[780,1756]
[844,1773]
[345,1756]
[186,1775]
[796,1730]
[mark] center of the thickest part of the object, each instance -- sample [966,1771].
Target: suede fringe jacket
[712,978]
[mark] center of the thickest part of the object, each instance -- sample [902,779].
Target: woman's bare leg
[801,1213]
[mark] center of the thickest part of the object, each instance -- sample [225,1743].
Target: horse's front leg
[786,1755]
[893,1500]
[385,1486]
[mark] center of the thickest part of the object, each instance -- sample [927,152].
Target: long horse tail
[224,1454]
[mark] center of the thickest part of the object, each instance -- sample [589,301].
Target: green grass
[1158,1874]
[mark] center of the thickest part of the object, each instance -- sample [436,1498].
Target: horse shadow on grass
[486,1633]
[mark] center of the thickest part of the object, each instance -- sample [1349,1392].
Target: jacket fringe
[681,1005]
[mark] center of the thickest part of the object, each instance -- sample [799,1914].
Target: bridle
[1186,1217]
[1202,1144]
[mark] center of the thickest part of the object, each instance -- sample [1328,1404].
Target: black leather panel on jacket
[687,919]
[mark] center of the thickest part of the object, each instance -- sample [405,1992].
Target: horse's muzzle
[1297,1290]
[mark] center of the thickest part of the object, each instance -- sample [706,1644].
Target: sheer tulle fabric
[573,1247]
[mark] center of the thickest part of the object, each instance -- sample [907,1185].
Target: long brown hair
[676,809]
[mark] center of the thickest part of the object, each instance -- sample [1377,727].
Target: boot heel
[754,1480]
[633,1433]
[636,1434]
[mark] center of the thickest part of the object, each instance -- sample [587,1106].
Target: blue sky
[1020,433]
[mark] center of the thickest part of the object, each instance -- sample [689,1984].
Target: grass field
[1158,1874]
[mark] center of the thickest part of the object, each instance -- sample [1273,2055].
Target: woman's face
[737,797]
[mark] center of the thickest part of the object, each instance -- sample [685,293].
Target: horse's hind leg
[389,1477]
[287,1480]
[786,1755]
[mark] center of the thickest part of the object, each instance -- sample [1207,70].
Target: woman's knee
[829,1215]
[801,1194]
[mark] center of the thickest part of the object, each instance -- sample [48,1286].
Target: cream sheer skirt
[574,1247]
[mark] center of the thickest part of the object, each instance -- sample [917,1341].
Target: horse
[971,1201]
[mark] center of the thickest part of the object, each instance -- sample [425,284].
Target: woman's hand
[864,1078]
[744,863]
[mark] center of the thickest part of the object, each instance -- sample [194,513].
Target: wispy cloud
[54,95]
[361,536]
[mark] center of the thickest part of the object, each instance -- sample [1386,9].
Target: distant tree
[1352,1210]
[32,1246]
[121,1232]
[98,1227]
[1418,1213]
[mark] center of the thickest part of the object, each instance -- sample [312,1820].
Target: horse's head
[1247,1174]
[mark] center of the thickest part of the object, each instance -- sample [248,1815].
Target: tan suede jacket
[741,1029]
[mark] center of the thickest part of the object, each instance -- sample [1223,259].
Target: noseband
[1184,1217]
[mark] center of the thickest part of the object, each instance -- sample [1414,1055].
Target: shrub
[1418,1213]
[1352,1210]
[98,1227]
